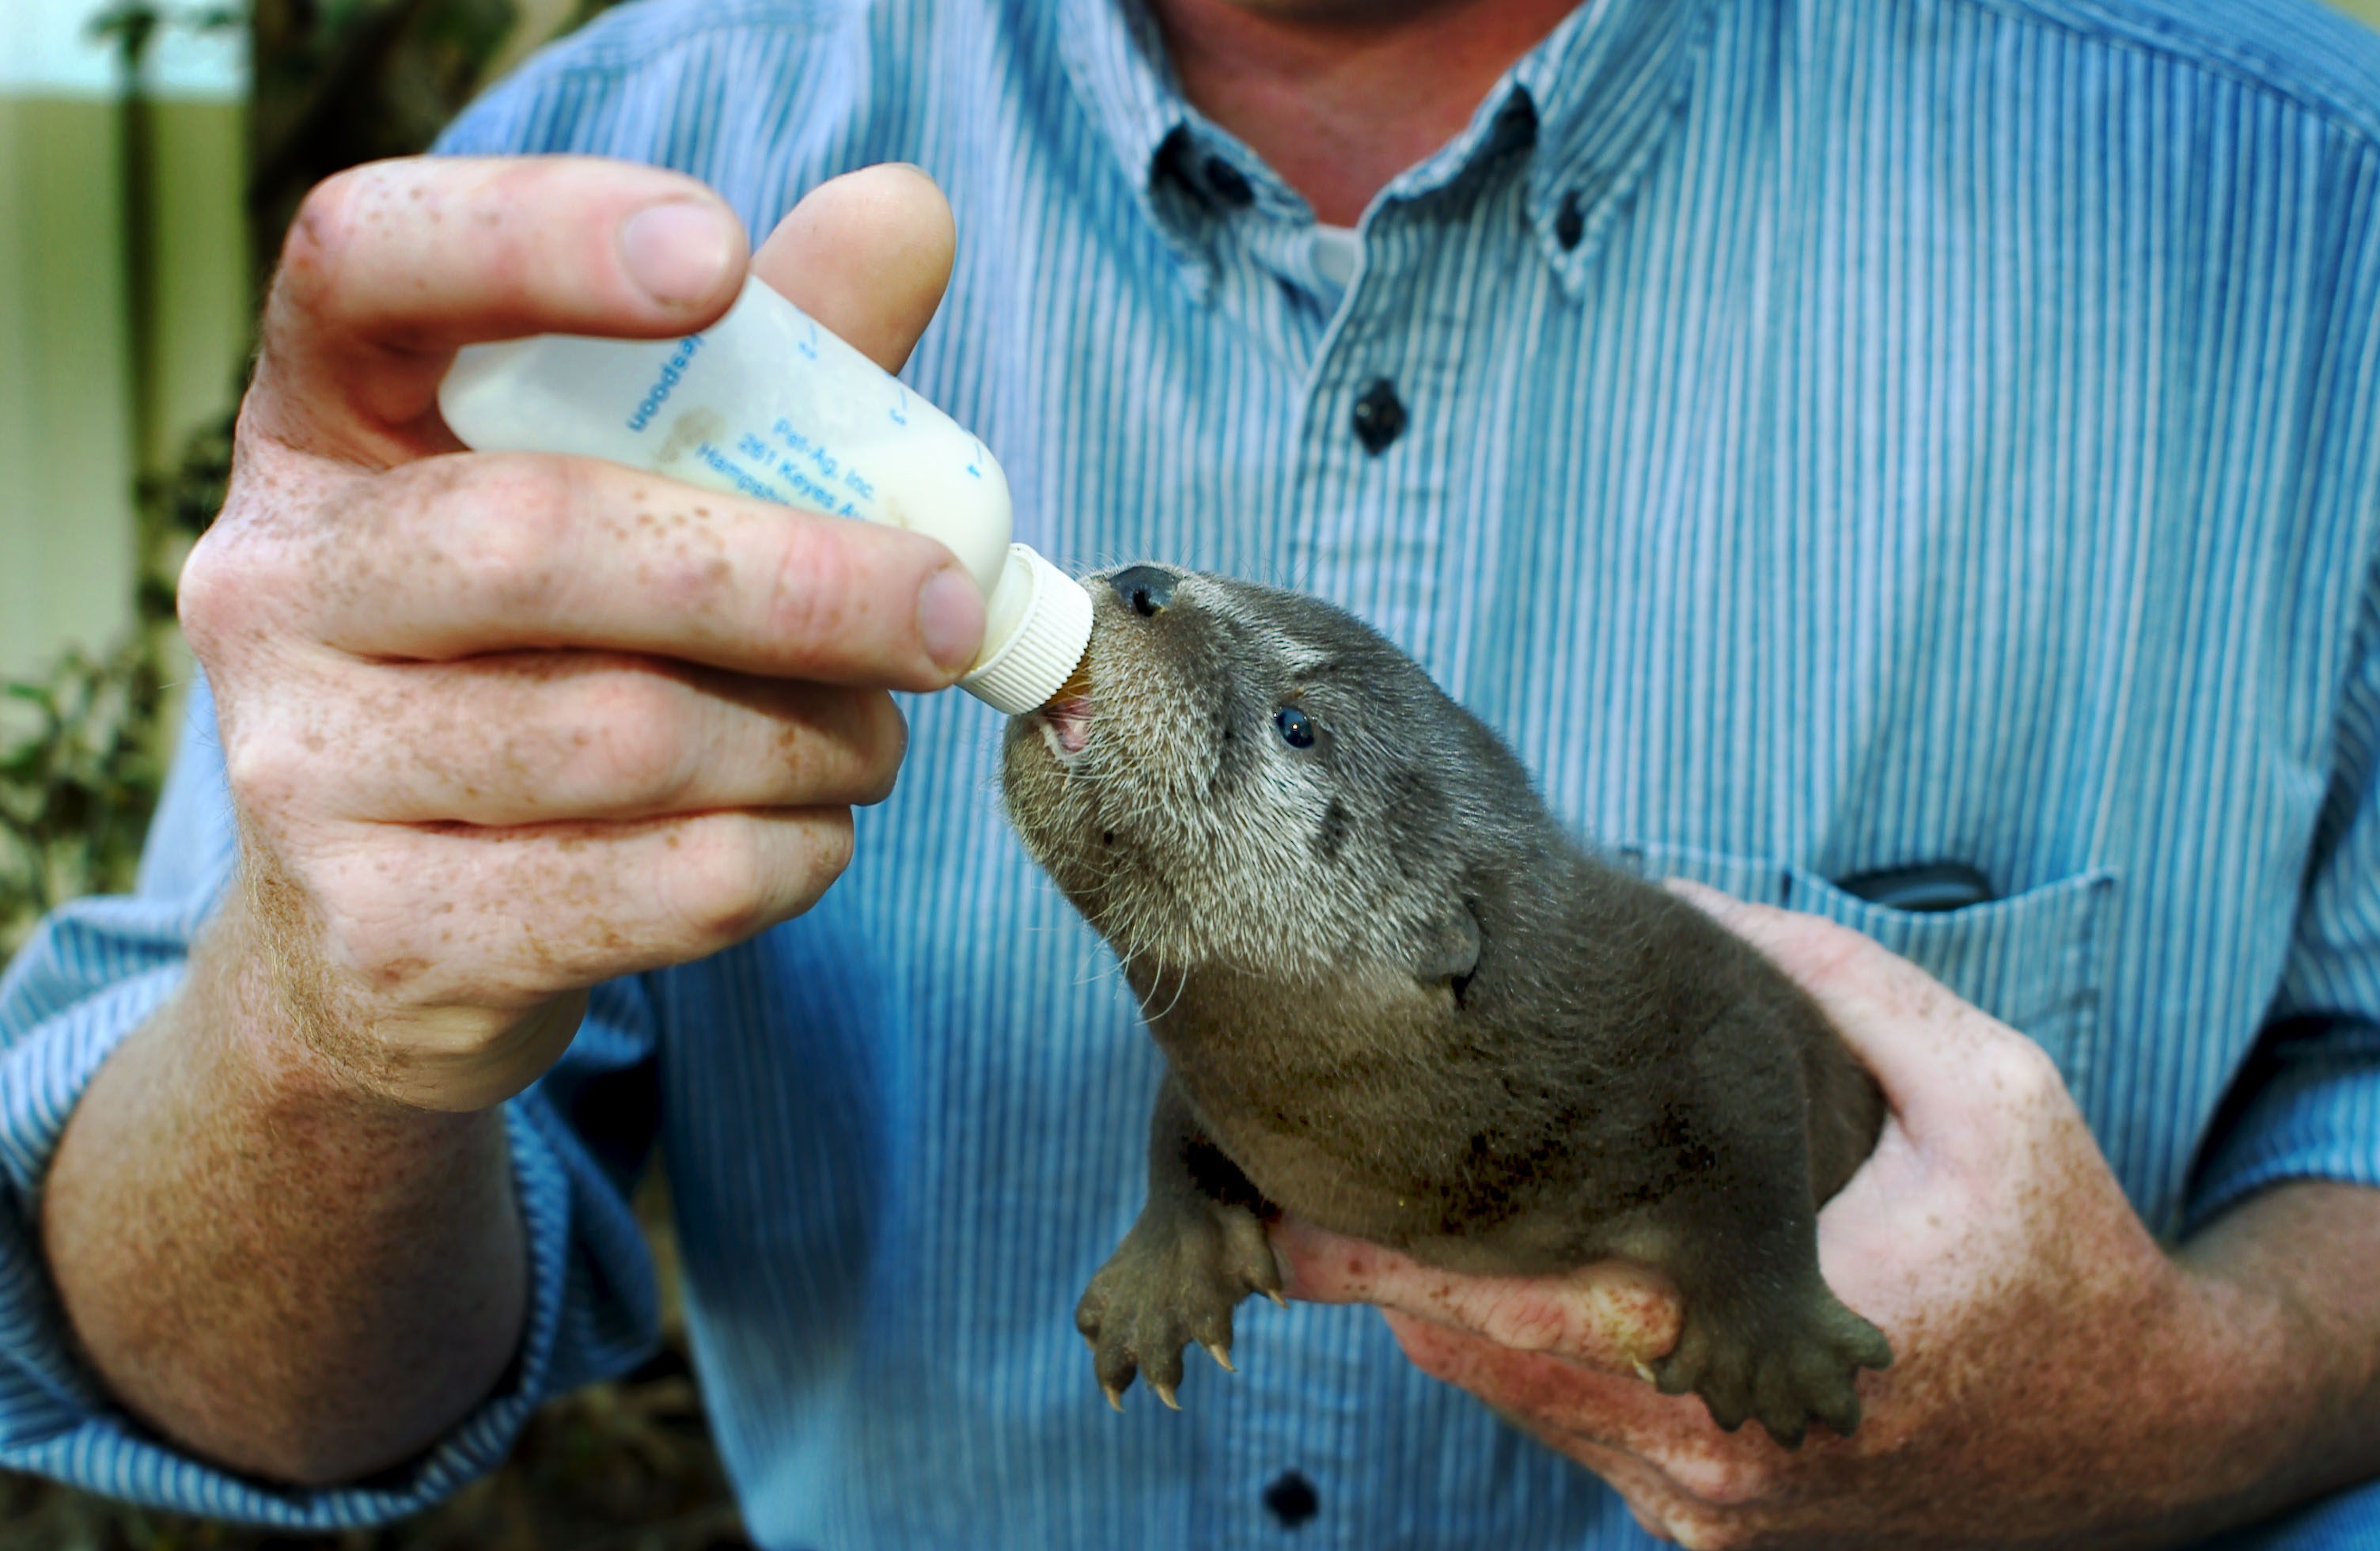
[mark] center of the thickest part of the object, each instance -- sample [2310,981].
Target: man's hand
[502,727]
[2057,1372]
[497,728]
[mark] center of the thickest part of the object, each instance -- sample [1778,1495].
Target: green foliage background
[84,749]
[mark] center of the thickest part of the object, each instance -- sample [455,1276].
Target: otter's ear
[1450,951]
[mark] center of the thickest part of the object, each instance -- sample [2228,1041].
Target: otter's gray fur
[1396,1000]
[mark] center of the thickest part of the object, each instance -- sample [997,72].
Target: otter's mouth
[1066,727]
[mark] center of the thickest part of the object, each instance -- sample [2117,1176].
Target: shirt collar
[1606,86]
[1116,59]
[1593,98]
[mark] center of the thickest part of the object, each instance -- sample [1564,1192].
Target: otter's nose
[1145,589]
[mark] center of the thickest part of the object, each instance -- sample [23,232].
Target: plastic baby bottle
[766,403]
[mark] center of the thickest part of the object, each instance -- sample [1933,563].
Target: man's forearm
[2240,1384]
[2294,1268]
[272,1265]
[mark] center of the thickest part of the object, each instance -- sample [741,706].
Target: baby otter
[1396,1000]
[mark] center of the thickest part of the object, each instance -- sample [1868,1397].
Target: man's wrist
[310,1037]
[2284,1279]
[238,1229]
[246,1035]
[2215,1426]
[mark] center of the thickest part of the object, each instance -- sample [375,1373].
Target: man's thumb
[867,254]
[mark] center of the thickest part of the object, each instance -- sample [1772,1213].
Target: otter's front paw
[1785,1360]
[1174,1279]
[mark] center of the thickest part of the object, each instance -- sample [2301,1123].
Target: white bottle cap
[1041,652]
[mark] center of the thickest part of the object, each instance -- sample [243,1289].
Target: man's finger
[1806,946]
[868,255]
[1610,1315]
[1662,1450]
[1838,965]
[525,551]
[536,738]
[615,899]
[1928,1050]
[1569,1404]
[391,266]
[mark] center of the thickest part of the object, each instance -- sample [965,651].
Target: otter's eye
[1296,727]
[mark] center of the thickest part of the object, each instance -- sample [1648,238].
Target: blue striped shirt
[1836,436]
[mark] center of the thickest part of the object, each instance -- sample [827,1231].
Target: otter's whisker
[1179,986]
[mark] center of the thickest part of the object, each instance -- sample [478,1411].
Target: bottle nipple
[1036,627]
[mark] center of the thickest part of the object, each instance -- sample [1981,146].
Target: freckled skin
[1398,1002]
[496,729]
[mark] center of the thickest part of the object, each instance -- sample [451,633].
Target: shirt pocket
[2036,961]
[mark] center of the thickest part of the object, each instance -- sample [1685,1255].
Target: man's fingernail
[678,251]
[949,618]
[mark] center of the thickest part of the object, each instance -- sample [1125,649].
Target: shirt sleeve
[88,975]
[2307,1106]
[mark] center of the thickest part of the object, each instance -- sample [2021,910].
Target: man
[1825,439]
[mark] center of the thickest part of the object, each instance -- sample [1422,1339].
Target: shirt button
[1379,416]
[1570,222]
[1228,184]
[1291,1499]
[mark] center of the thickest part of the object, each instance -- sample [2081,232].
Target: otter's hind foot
[1174,1279]
[1786,1360]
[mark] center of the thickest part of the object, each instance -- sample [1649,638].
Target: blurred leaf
[77,790]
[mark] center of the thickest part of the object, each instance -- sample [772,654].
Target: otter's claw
[1174,1280]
